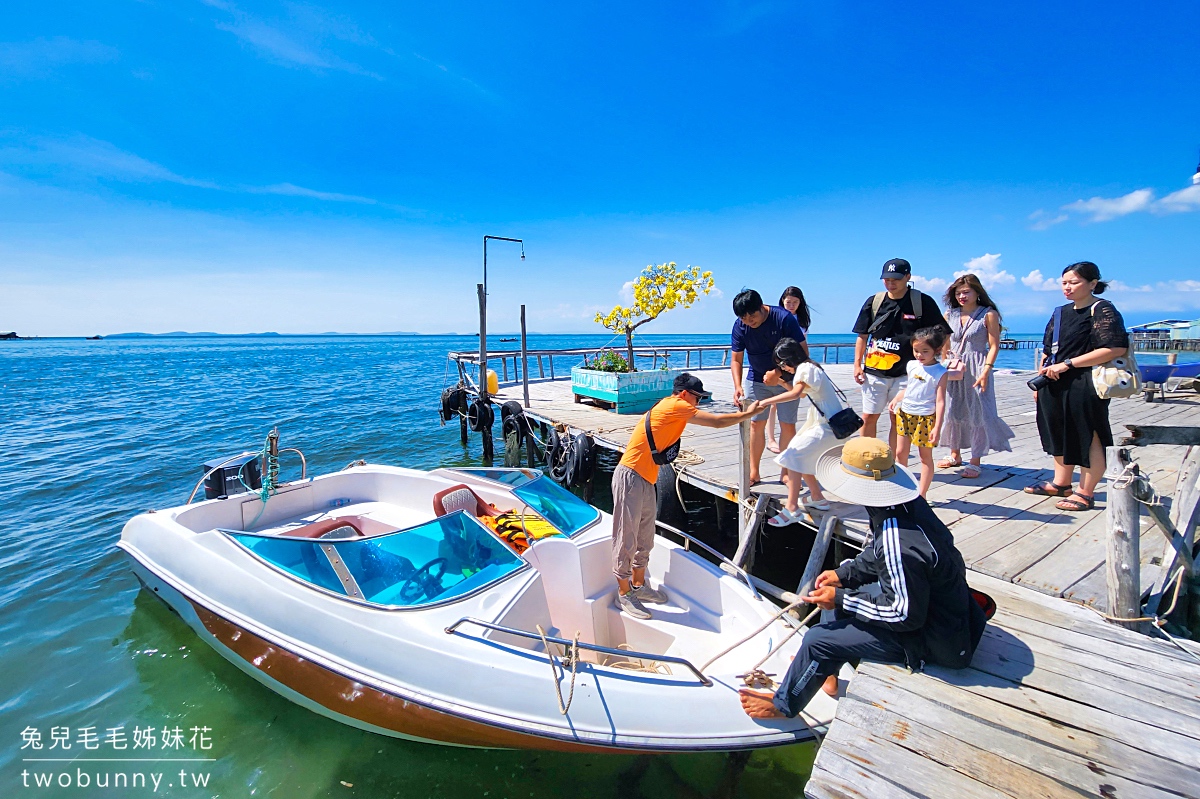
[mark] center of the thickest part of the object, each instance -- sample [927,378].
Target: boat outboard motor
[229,476]
[557,560]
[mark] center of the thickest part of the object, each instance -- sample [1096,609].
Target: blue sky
[243,166]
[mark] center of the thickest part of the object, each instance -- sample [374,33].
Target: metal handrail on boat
[738,571]
[625,653]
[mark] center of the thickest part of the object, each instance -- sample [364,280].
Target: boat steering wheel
[424,582]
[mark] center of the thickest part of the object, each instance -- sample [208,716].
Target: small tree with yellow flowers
[659,288]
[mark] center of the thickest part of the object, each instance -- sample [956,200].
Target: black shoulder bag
[845,422]
[667,455]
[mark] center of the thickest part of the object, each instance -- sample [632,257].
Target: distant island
[205,334]
[10,336]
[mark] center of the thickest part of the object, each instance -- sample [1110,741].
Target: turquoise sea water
[96,431]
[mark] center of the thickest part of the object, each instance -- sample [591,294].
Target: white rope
[574,659]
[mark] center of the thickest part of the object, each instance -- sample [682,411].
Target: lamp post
[483,386]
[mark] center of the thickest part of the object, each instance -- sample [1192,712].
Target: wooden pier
[1057,702]
[1001,531]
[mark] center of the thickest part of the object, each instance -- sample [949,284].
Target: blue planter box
[629,392]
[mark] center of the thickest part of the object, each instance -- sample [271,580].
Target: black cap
[687,382]
[895,268]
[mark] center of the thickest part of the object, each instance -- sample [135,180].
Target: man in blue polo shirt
[759,327]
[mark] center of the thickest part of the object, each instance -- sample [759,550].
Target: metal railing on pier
[675,356]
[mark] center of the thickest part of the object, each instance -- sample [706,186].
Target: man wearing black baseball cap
[654,441]
[885,326]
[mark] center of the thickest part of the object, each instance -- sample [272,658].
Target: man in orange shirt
[634,498]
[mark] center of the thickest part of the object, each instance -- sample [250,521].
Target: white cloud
[1180,285]
[291,190]
[1037,282]
[987,268]
[627,292]
[1042,220]
[1121,285]
[1180,201]
[1103,209]
[932,285]
[88,157]
[298,44]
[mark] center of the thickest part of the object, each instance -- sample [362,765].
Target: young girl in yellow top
[921,407]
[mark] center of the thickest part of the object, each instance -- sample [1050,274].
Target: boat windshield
[440,560]
[548,499]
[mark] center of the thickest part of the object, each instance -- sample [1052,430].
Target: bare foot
[759,705]
[830,686]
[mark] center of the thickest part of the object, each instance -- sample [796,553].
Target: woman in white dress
[791,300]
[799,459]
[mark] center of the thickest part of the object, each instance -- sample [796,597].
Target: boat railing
[667,355]
[605,650]
[727,565]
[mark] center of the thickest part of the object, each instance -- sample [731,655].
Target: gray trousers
[635,507]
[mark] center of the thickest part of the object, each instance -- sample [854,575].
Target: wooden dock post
[743,481]
[1123,560]
[524,360]
[486,432]
[816,558]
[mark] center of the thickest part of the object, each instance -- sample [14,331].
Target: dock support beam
[744,513]
[1123,519]
[524,360]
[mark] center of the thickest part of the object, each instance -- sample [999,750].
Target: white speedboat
[381,597]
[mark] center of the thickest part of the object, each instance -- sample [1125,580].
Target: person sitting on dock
[635,505]
[903,600]
[756,332]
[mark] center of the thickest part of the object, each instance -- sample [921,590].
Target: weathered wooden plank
[1155,740]
[1068,563]
[1047,653]
[930,700]
[1003,759]
[835,776]
[902,767]
[1140,435]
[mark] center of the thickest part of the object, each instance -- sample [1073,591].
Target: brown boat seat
[461,497]
[345,527]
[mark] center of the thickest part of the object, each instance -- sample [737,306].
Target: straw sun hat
[864,472]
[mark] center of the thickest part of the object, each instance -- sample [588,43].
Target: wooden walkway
[1000,530]
[1056,703]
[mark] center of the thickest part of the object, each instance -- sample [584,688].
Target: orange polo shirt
[667,420]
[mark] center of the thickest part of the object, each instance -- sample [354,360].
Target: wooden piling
[524,362]
[743,492]
[816,558]
[1123,557]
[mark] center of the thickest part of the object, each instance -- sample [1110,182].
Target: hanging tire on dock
[669,509]
[480,416]
[574,461]
[454,401]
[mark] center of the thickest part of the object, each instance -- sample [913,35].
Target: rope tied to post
[570,656]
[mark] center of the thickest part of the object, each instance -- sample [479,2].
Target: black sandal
[1076,502]
[1049,489]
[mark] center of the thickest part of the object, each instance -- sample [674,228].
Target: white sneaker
[644,593]
[631,606]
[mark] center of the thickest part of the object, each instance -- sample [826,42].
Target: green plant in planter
[607,361]
[659,288]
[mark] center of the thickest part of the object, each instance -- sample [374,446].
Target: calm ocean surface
[95,432]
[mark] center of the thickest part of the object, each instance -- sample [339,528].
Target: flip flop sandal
[1076,502]
[948,463]
[971,471]
[783,518]
[773,446]
[1048,489]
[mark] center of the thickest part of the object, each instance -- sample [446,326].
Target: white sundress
[815,438]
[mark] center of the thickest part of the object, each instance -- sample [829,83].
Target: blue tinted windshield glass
[442,559]
[511,477]
[557,505]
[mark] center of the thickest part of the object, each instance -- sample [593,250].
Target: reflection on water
[96,432]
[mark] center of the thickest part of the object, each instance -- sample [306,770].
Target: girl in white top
[799,458]
[921,407]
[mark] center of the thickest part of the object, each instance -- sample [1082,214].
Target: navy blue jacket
[911,579]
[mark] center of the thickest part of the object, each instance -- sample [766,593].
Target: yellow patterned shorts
[916,428]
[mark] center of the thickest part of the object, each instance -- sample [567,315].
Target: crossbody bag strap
[962,327]
[650,436]
[1057,330]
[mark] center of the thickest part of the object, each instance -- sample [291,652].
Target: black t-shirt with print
[889,342]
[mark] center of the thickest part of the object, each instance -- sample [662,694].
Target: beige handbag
[956,369]
[1118,378]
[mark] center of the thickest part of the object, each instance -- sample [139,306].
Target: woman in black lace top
[1071,417]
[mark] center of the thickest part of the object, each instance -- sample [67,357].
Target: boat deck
[1056,703]
[1001,531]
